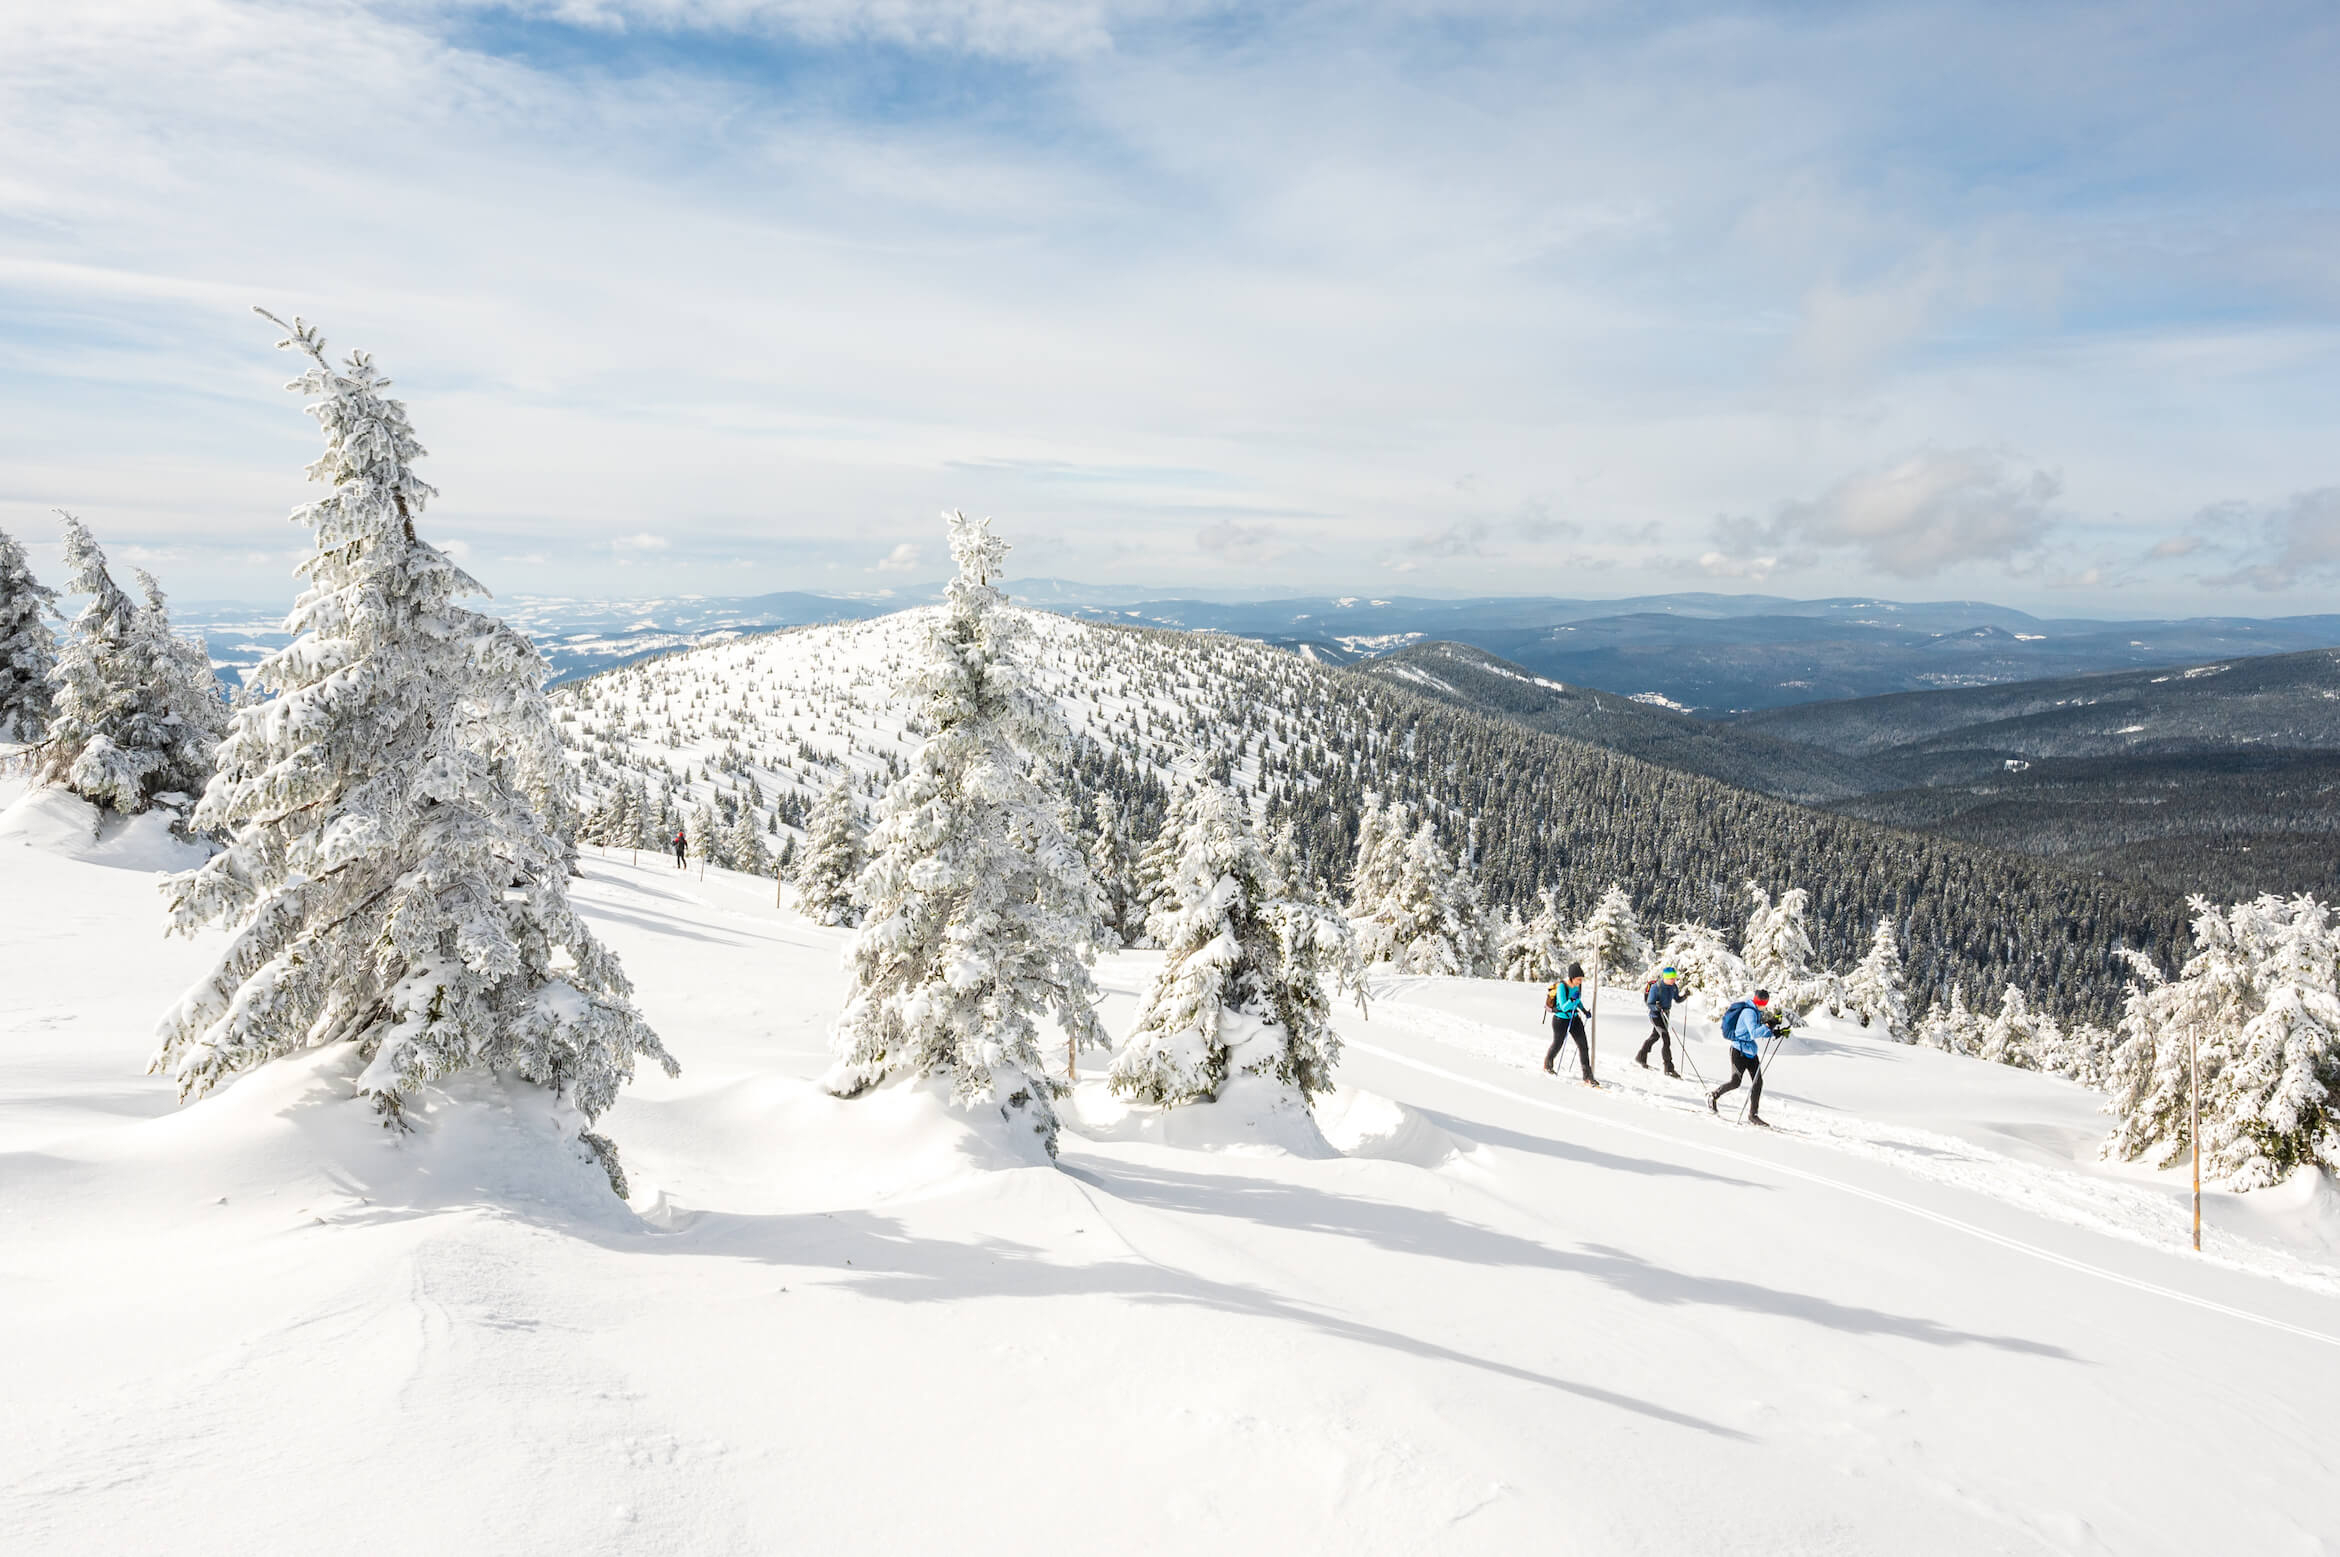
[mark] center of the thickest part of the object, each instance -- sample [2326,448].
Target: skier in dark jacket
[1746,1025]
[1660,996]
[682,843]
[1564,1004]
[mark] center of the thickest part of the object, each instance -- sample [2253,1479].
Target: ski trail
[1767,1164]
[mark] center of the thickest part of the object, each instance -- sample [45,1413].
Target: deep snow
[1474,1310]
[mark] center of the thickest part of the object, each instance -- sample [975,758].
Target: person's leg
[1583,1052]
[1657,1025]
[1755,1097]
[1732,1085]
[1559,1036]
[1665,1034]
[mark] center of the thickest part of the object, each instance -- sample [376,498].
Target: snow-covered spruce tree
[1777,949]
[1949,1026]
[979,913]
[1113,866]
[1538,949]
[743,845]
[185,686]
[127,725]
[1373,874]
[1157,869]
[387,882]
[1609,939]
[27,648]
[1709,970]
[1243,989]
[702,836]
[2018,1035]
[831,859]
[2261,996]
[1427,922]
[1874,991]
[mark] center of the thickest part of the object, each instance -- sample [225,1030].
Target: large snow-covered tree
[2261,997]
[27,648]
[1874,991]
[1113,865]
[1428,920]
[1537,948]
[979,914]
[136,712]
[1950,1025]
[1157,866]
[1244,988]
[1374,871]
[2020,1036]
[1708,969]
[832,858]
[1777,948]
[1609,940]
[388,881]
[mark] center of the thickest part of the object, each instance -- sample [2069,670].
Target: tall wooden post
[2194,1123]
[1592,1025]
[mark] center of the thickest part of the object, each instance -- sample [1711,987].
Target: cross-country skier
[1659,995]
[1744,1025]
[1564,1004]
[682,845]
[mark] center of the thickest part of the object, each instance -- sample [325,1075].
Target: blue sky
[2035,302]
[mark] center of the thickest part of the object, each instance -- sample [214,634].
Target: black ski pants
[1563,1029]
[1745,1065]
[1661,1035]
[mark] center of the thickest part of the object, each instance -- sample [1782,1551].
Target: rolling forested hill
[770,723]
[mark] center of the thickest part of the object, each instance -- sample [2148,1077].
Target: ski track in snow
[2098,1205]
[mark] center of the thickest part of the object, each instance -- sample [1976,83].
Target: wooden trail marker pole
[2194,1123]
[1593,1024]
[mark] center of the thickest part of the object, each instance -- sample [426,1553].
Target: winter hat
[1668,973]
[1763,997]
[1576,970]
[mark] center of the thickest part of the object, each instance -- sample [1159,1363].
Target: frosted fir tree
[28,650]
[128,725]
[1875,992]
[1113,866]
[1157,869]
[387,882]
[1709,970]
[703,835]
[185,686]
[743,845]
[979,913]
[831,859]
[1537,949]
[1949,1025]
[1777,948]
[1426,922]
[2018,1035]
[1381,846]
[1610,939]
[2261,997]
[1244,988]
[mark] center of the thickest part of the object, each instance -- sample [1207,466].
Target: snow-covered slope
[1506,1314]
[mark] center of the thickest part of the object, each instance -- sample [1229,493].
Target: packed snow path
[1507,1314]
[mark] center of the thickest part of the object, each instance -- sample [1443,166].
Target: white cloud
[2295,543]
[901,559]
[1932,510]
[639,542]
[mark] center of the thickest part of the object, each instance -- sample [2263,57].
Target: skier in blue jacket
[1744,1026]
[1660,996]
[1564,1004]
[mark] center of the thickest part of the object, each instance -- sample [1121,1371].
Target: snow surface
[1491,1311]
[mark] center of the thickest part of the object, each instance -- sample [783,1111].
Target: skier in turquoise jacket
[1564,1004]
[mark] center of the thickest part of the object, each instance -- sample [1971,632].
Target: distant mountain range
[2222,777]
[1707,654]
